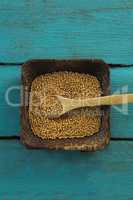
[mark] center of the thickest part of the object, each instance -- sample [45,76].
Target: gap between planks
[111,65]
[18,138]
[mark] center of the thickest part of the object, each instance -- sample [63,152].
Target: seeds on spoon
[51,107]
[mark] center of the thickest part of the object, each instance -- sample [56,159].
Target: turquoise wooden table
[65,29]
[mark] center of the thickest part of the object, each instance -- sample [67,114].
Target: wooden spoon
[71,104]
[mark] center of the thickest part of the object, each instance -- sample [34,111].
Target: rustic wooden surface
[53,175]
[66,29]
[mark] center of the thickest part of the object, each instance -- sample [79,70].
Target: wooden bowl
[34,68]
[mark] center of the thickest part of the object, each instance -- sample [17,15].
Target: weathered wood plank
[29,174]
[121,124]
[66,29]
[10,76]
[122,116]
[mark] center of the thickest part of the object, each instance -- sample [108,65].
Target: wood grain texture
[66,29]
[10,80]
[57,175]
[121,81]
[122,116]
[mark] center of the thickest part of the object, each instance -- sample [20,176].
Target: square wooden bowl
[34,68]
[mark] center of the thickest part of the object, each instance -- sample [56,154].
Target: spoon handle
[106,100]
